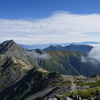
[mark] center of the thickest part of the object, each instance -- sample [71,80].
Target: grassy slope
[68,62]
[86,93]
[59,62]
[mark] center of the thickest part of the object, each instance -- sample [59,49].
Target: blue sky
[49,21]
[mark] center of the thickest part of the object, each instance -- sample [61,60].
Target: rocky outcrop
[35,84]
[11,70]
[74,97]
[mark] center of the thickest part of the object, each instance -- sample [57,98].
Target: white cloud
[37,56]
[93,56]
[59,27]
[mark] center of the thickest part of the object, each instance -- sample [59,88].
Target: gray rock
[57,97]
[91,98]
[79,98]
[67,98]
[52,98]
[74,96]
[97,98]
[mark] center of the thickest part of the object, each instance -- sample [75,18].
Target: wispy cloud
[93,56]
[60,27]
[38,57]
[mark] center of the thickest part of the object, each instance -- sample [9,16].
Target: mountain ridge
[69,62]
[11,48]
[74,47]
[42,46]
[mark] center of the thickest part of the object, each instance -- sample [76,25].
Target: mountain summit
[9,46]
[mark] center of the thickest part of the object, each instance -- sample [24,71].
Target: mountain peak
[11,41]
[6,45]
[8,42]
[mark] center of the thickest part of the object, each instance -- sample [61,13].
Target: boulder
[67,98]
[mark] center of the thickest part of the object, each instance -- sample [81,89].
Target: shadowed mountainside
[69,63]
[78,48]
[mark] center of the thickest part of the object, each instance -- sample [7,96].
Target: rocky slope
[37,85]
[13,49]
[11,70]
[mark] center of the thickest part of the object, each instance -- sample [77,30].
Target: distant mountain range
[37,74]
[42,46]
[74,47]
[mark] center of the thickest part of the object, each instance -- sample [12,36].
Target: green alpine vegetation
[86,93]
[69,63]
[93,84]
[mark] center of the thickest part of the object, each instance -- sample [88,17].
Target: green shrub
[25,71]
[14,68]
[65,83]
[90,83]
[86,93]
[3,75]
[95,75]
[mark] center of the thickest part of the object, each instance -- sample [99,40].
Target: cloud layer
[37,56]
[93,56]
[60,27]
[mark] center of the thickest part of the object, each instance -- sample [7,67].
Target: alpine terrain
[46,75]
